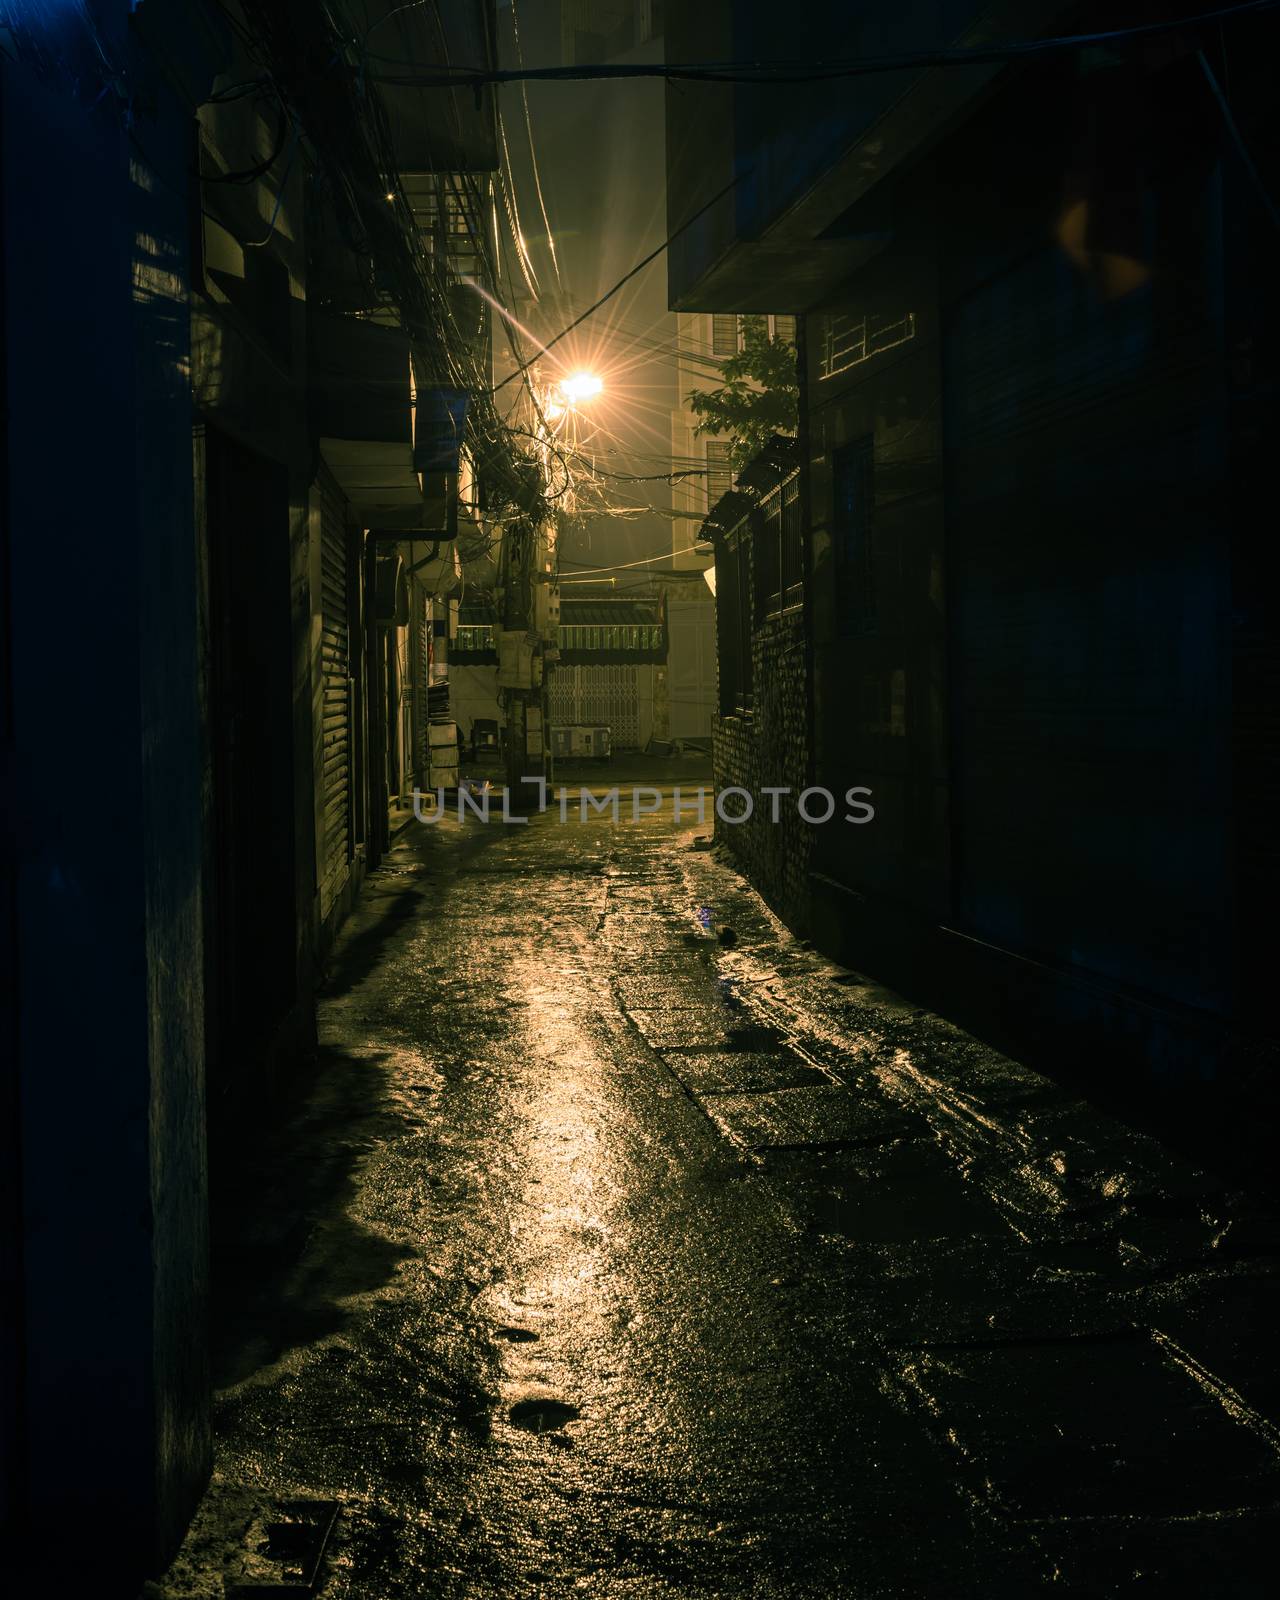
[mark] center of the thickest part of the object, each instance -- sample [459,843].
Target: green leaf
[759,397]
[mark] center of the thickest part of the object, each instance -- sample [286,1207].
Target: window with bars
[765,570]
[473,636]
[791,552]
[724,335]
[478,636]
[620,637]
[727,330]
[852,538]
[733,624]
[778,558]
[849,340]
[719,472]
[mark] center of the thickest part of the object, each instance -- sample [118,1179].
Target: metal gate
[335,716]
[608,696]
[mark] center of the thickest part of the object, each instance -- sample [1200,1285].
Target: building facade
[267,282]
[1030,408]
[763,727]
[610,669]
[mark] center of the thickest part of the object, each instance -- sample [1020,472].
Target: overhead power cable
[647,561]
[773,72]
[248,175]
[349,135]
[1237,138]
[626,277]
[533,155]
[507,186]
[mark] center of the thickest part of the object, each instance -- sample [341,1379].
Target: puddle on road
[542,1416]
[752,1036]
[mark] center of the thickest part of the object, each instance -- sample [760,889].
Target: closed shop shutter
[598,697]
[335,647]
[420,648]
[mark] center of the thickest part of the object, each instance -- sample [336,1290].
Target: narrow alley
[667,991]
[622,1245]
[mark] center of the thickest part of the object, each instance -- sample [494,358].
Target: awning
[362,412]
[385,492]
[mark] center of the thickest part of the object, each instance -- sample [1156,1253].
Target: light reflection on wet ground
[610,1259]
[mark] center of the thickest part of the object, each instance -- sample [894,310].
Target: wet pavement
[620,1245]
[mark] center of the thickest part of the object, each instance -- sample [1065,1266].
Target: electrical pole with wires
[526,638]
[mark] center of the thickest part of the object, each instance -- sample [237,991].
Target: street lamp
[580,386]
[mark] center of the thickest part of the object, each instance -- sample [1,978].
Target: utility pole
[527,637]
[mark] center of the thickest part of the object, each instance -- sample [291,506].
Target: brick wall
[770,748]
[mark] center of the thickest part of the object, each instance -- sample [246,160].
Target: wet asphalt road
[605,1258]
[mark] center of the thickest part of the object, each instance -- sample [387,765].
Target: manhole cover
[542,1416]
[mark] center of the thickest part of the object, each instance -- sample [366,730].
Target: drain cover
[283,1549]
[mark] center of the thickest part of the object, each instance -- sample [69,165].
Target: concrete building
[1032,624]
[263,283]
[611,669]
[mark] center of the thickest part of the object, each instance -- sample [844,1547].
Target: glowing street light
[580,386]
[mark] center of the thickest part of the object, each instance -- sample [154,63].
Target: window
[727,330]
[719,472]
[848,340]
[765,567]
[728,642]
[744,620]
[791,539]
[777,558]
[733,622]
[724,335]
[474,636]
[851,537]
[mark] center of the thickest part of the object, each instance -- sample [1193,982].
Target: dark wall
[1055,665]
[700,145]
[770,748]
[252,889]
[112,1436]
[249,377]
[769,744]
[1088,549]
[774,142]
[878,584]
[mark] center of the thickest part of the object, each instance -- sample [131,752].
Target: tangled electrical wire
[308,54]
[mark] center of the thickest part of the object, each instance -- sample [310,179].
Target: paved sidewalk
[611,1253]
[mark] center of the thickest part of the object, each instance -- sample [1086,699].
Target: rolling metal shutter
[335,652]
[598,696]
[420,645]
